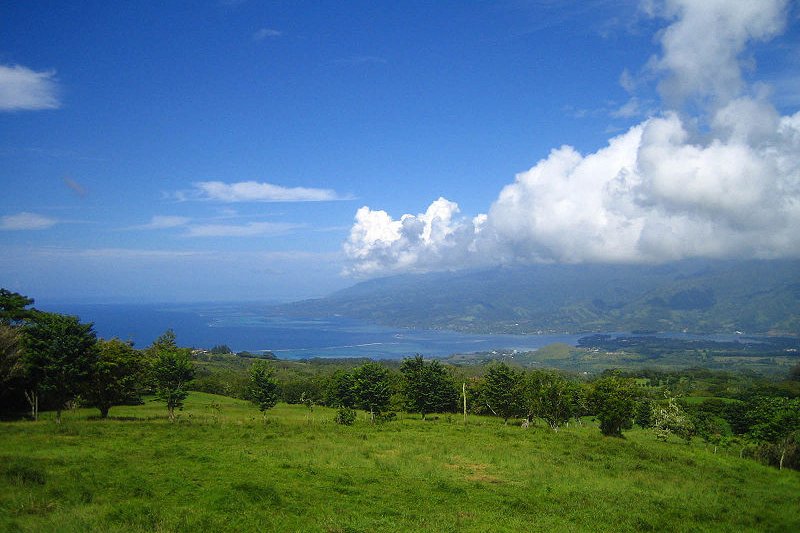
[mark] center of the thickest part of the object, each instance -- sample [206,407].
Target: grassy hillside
[221,468]
[698,296]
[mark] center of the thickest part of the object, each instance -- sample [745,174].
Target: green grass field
[222,468]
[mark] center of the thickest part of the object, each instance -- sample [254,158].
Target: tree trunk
[783,455]
[171,411]
[33,401]
[104,411]
[464,392]
[58,415]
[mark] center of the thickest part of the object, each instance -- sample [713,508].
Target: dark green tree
[11,367]
[371,388]
[547,395]
[613,401]
[59,355]
[339,390]
[500,390]
[777,422]
[117,377]
[171,371]
[263,389]
[13,308]
[427,387]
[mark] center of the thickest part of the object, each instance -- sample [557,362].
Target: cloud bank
[723,181]
[24,89]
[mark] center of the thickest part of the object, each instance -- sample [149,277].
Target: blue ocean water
[250,327]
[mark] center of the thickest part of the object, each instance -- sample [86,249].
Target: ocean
[251,327]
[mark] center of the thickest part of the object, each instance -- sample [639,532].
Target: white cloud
[702,48]
[26,221]
[723,184]
[251,229]
[266,33]
[24,89]
[253,191]
[164,222]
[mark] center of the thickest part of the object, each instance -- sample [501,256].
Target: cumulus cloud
[26,221]
[24,89]
[724,182]
[253,191]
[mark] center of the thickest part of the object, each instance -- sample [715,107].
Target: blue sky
[223,150]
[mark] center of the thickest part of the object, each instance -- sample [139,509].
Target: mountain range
[748,296]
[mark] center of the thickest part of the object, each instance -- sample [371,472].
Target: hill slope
[697,296]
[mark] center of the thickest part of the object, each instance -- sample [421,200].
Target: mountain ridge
[752,296]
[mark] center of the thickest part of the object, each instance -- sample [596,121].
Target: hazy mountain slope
[707,296]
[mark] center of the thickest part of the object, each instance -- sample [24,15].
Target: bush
[345,416]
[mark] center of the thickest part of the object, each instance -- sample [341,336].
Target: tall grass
[221,467]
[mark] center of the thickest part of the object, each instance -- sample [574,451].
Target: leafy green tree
[116,378]
[371,388]
[613,400]
[13,308]
[59,355]
[340,391]
[11,367]
[427,387]
[171,371]
[263,388]
[499,390]
[669,418]
[777,423]
[221,349]
[547,395]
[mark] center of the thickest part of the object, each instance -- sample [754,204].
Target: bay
[253,327]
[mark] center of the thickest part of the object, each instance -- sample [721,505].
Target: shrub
[345,416]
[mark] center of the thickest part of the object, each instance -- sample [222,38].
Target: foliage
[263,387]
[371,390]
[499,390]
[117,377]
[547,395]
[613,400]
[10,356]
[221,349]
[668,418]
[59,356]
[171,371]
[13,308]
[427,387]
[777,422]
[345,416]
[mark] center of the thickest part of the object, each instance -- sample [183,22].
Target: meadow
[223,467]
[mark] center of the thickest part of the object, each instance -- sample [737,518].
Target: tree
[340,391]
[59,355]
[427,387]
[547,395]
[668,418]
[613,400]
[171,371]
[13,308]
[777,423]
[499,390]
[116,378]
[370,383]
[263,389]
[11,365]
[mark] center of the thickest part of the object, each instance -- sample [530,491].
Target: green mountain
[697,296]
